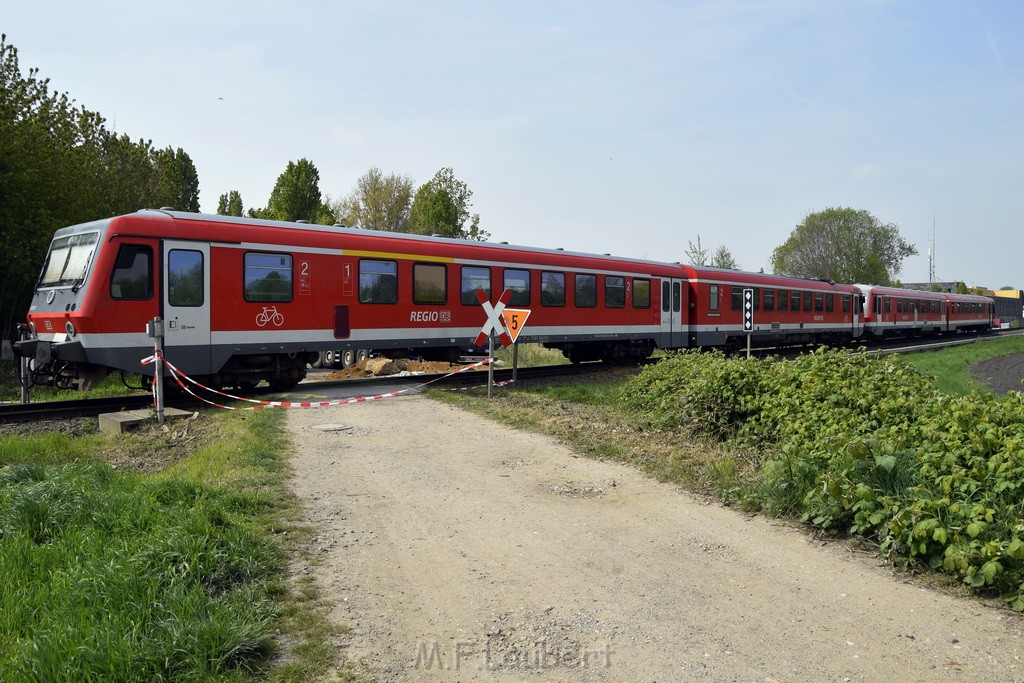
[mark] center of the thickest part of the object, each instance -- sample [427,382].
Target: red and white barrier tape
[179,376]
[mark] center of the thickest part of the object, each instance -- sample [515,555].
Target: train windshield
[68,260]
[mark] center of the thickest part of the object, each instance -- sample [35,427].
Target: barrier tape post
[155,329]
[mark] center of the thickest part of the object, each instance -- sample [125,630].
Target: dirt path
[460,550]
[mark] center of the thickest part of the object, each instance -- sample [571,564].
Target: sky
[630,128]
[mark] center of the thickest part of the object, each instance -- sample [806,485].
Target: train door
[186,305]
[673,308]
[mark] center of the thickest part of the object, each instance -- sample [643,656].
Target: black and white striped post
[748,315]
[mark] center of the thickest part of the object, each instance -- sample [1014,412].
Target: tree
[379,202]
[441,206]
[844,245]
[296,196]
[696,254]
[723,258]
[178,181]
[230,204]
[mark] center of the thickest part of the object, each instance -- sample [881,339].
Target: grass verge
[178,575]
[951,368]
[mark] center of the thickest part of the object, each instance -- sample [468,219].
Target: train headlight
[70,328]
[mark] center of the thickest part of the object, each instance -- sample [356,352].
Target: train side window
[132,279]
[185,277]
[737,298]
[268,277]
[518,282]
[794,301]
[713,298]
[429,283]
[665,294]
[378,282]
[641,293]
[769,299]
[818,302]
[830,304]
[783,300]
[888,304]
[807,302]
[586,291]
[899,305]
[474,278]
[614,291]
[552,289]
[846,303]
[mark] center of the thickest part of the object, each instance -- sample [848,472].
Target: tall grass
[108,575]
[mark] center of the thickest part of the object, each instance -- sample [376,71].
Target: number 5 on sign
[515,320]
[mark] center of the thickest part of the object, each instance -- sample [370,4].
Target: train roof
[341,229]
[760,279]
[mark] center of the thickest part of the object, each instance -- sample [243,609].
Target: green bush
[864,445]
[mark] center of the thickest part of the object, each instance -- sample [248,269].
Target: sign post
[155,329]
[515,321]
[490,328]
[748,315]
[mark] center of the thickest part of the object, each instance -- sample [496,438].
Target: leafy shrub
[868,446]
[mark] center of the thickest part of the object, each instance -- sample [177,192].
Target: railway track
[55,410]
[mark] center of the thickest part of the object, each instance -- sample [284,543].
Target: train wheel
[319,362]
[348,358]
[361,355]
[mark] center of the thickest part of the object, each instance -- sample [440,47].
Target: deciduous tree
[442,206]
[379,202]
[845,245]
[230,204]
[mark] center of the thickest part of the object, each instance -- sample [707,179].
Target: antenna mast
[931,255]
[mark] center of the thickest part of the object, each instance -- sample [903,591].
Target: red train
[249,300]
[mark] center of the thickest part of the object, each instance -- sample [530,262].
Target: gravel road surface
[456,549]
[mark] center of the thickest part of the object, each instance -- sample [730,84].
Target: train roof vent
[339,225]
[437,234]
[559,248]
[167,208]
[302,220]
[502,242]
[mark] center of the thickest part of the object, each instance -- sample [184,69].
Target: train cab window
[518,282]
[614,291]
[552,289]
[586,291]
[807,302]
[429,283]
[132,279]
[474,278]
[641,293]
[68,259]
[830,304]
[378,282]
[185,277]
[769,299]
[268,277]
[794,301]
[783,300]
[713,298]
